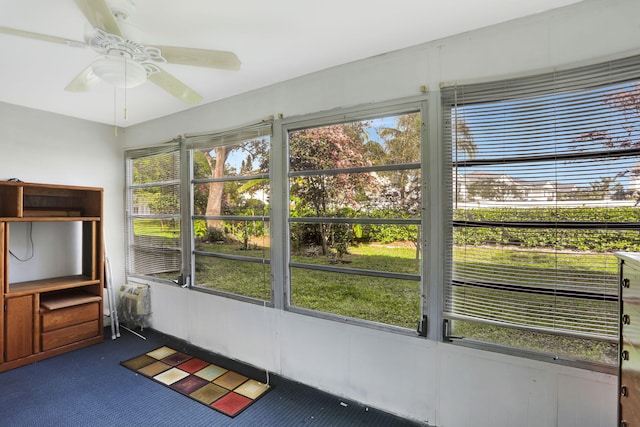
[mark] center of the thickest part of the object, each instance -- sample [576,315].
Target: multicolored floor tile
[219,388]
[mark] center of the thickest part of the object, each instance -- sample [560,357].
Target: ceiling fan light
[119,71]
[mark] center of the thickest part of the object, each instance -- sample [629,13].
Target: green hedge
[601,240]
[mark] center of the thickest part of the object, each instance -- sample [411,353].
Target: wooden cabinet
[629,360]
[19,324]
[51,315]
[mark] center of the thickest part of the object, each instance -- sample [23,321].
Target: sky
[548,125]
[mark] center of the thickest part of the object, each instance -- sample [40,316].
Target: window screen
[153,212]
[231,202]
[544,189]
[355,193]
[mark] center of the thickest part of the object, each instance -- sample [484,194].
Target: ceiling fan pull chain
[115,108]
[125,88]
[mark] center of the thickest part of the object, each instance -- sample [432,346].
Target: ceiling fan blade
[200,57]
[83,81]
[99,15]
[175,87]
[38,36]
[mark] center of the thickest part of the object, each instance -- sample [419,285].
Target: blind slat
[545,175]
[153,211]
[227,137]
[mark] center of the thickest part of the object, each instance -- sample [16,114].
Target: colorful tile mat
[219,388]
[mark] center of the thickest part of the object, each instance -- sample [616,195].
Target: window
[153,212]
[230,196]
[355,190]
[545,177]
[542,179]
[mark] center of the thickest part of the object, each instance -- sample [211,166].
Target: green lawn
[156,228]
[240,278]
[389,301]
[398,302]
[562,346]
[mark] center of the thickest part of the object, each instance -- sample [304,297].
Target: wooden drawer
[68,335]
[63,317]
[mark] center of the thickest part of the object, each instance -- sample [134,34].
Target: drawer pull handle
[625,355]
[626,320]
[624,391]
[626,283]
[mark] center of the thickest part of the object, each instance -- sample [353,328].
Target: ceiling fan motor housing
[123,62]
[121,9]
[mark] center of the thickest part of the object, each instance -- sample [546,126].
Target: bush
[597,239]
[199,228]
[215,235]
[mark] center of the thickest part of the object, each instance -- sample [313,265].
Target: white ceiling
[276,40]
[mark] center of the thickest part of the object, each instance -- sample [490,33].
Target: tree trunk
[216,189]
[324,237]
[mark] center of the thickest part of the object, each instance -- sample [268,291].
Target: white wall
[44,249]
[48,148]
[425,380]
[442,384]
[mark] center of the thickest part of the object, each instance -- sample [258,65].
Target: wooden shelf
[49,285]
[50,316]
[51,219]
[22,199]
[50,212]
[68,298]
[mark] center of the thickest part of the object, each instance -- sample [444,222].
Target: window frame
[418,105]
[131,155]
[435,218]
[578,78]
[193,142]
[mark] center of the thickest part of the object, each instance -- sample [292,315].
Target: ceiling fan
[123,60]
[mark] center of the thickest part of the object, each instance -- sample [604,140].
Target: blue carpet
[88,387]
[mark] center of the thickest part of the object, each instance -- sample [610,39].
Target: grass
[156,228]
[389,258]
[390,301]
[544,269]
[240,278]
[398,302]
[557,345]
[541,259]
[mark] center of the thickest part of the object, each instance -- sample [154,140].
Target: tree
[625,134]
[216,188]
[254,151]
[160,199]
[602,188]
[493,189]
[402,146]
[463,145]
[464,139]
[201,169]
[319,194]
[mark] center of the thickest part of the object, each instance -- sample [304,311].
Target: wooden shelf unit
[52,315]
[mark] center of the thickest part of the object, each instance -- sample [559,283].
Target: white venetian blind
[544,187]
[153,211]
[233,136]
